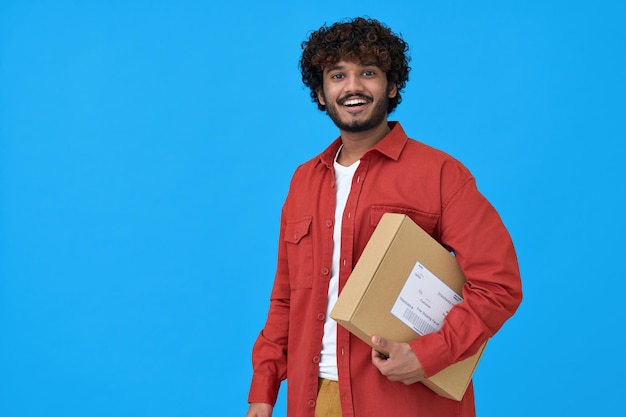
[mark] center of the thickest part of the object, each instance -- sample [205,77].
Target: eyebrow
[334,68]
[340,67]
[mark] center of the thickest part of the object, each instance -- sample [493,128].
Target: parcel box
[402,287]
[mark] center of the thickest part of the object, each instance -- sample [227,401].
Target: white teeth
[354,102]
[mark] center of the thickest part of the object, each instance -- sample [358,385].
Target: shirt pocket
[425,220]
[299,244]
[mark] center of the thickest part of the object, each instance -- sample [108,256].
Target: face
[356,96]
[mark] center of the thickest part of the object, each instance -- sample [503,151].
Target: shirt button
[321,316]
[316,359]
[311,403]
[329,223]
[325,271]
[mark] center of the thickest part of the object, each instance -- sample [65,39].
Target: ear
[393,91]
[320,97]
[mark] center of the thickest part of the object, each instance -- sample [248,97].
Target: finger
[379,361]
[376,358]
[379,341]
[378,355]
[386,346]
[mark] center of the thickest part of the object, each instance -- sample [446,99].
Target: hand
[402,365]
[260,410]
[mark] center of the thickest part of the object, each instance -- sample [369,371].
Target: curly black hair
[359,40]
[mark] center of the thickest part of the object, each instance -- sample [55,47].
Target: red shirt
[397,175]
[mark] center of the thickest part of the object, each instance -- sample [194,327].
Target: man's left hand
[402,365]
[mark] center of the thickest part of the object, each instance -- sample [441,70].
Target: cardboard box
[397,247]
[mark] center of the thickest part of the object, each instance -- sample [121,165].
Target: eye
[336,76]
[369,73]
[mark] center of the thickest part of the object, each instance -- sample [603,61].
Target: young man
[356,71]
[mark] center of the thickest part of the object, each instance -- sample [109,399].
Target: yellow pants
[328,404]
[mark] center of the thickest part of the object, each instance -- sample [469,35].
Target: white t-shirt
[328,357]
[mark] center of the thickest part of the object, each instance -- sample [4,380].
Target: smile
[355,101]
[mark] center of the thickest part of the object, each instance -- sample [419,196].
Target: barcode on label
[420,325]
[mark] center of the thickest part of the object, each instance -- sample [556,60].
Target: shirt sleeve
[269,354]
[474,231]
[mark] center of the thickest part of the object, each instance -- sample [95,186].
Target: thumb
[386,347]
[380,342]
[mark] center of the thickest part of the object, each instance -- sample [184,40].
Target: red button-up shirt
[397,175]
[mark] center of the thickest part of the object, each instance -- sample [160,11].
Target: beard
[378,116]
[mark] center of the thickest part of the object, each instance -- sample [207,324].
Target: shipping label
[424,301]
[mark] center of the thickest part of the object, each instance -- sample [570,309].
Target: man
[356,71]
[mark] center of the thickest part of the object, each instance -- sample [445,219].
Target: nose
[353,83]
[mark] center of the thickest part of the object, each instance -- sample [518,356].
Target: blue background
[146,149]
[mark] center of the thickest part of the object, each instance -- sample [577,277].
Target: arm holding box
[474,231]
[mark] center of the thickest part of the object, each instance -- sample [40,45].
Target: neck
[355,144]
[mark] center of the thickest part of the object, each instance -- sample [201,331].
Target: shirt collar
[391,145]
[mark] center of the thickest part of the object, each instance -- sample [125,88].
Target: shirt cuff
[263,389]
[433,353]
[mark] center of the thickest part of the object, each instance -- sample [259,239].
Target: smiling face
[356,95]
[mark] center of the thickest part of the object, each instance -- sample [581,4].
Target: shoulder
[320,161]
[434,159]
[307,167]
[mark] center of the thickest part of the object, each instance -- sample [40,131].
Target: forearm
[474,231]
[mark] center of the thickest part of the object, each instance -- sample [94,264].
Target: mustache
[355,95]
